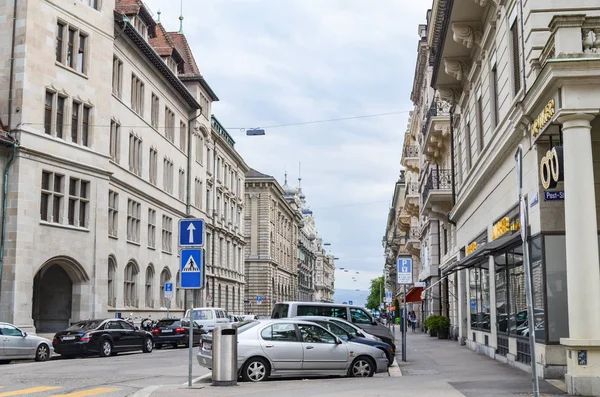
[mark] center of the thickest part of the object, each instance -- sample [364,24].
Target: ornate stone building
[110,137]
[271,256]
[324,274]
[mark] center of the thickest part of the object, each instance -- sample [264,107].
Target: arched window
[178,293]
[165,277]
[149,286]
[112,279]
[129,283]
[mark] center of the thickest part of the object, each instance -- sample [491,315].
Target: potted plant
[443,327]
[430,325]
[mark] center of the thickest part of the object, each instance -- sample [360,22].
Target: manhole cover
[422,371]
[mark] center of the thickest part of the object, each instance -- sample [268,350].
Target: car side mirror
[136,328]
[24,334]
[338,341]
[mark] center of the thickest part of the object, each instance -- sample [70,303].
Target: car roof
[318,304]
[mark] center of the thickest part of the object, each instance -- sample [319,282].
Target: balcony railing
[411,151]
[412,188]
[437,108]
[222,131]
[438,179]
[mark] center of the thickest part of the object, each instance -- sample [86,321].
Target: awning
[414,295]
[465,262]
[503,242]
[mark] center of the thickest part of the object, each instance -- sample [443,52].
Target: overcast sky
[275,62]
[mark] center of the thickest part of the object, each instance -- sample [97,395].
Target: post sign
[388,296]
[259,300]
[169,291]
[404,270]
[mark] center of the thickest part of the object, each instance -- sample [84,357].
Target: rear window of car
[84,325]
[325,311]
[280,310]
[205,314]
[166,323]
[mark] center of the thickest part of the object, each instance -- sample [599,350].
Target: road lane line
[88,392]
[22,392]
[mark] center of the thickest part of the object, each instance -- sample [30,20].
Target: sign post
[192,271]
[404,274]
[168,296]
[528,284]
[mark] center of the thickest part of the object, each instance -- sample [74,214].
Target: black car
[104,337]
[175,332]
[332,326]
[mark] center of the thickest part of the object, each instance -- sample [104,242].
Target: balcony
[586,44]
[413,242]
[437,193]
[410,156]
[436,131]
[411,198]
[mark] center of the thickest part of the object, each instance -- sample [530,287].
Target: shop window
[537,278]
[501,294]
[556,288]
[479,292]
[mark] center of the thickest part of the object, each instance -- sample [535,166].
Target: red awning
[414,295]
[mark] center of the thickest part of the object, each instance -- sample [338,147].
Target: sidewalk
[434,368]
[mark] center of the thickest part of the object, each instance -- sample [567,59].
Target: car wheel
[255,369]
[362,367]
[42,353]
[148,345]
[106,348]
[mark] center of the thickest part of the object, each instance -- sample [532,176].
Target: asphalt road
[117,376]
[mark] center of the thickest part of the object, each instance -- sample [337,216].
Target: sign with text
[554,196]
[404,270]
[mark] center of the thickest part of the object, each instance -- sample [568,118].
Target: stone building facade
[516,78]
[111,124]
[324,274]
[271,255]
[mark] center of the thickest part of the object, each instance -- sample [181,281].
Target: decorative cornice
[457,68]
[467,33]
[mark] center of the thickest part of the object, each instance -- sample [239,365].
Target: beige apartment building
[493,76]
[324,274]
[271,255]
[110,142]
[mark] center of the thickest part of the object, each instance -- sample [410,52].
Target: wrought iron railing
[411,151]
[437,108]
[222,131]
[438,179]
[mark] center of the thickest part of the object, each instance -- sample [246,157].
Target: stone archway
[57,294]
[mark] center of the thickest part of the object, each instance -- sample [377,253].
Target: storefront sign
[471,248]
[543,119]
[504,226]
[552,168]
[476,244]
[554,196]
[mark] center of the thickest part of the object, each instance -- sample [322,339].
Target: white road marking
[198,379]
[146,391]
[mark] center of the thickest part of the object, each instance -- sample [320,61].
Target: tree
[377,293]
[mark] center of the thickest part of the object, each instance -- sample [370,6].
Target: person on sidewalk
[412,317]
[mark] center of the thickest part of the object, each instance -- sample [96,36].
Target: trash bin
[224,370]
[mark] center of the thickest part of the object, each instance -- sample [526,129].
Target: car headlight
[378,339]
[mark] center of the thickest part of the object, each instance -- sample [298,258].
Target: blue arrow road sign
[404,270]
[259,300]
[192,269]
[191,232]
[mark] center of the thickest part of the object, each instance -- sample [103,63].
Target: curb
[394,370]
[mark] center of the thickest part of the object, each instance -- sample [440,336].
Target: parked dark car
[175,332]
[332,326]
[104,337]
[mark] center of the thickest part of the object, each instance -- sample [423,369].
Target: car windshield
[352,331]
[246,325]
[85,325]
[334,329]
[167,323]
[205,314]
[280,310]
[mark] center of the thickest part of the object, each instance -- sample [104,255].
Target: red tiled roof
[163,45]
[190,68]
[137,7]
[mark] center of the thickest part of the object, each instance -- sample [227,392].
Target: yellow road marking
[27,391]
[89,392]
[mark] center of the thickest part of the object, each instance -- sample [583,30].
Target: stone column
[583,270]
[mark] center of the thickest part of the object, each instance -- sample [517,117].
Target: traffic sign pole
[404,274]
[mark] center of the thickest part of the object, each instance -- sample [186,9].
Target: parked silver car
[293,347]
[17,345]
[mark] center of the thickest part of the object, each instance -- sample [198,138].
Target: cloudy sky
[274,62]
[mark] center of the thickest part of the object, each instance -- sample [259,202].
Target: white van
[208,317]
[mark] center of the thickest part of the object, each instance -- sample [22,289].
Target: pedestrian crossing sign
[192,269]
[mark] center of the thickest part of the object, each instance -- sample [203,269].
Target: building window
[80,123]
[79,196]
[168,175]
[153,164]
[208,202]
[516,69]
[167,233]
[52,195]
[48,111]
[205,106]
[115,135]
[183,136]
[137,95]
[181,184]
[479,287]
[154,111]
[199,148]
[209,165]
[151,228]
[148,287]
[165,277]
[198,193]
[134,212]
[117,76]
[135,154]
[468,144]
[70,48]
[130,293]
[81,56]
[141,27]
[169,125]
[479,120]
[494,95]
[113,213]
[60,29]
[95,4]
[112,278]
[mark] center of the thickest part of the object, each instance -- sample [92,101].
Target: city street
[117,376]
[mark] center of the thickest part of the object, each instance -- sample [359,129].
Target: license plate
[68,338]
[166,331]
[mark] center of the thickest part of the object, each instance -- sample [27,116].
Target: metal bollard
[225,369]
